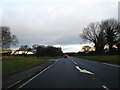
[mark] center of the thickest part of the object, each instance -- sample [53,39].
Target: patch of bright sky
[73,48]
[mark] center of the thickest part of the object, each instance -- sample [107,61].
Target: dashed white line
[105,87]
[74,62]
[34,77]
[83,71]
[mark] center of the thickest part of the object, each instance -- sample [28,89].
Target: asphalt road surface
[76,73]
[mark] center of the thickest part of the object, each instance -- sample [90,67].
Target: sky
[54,22]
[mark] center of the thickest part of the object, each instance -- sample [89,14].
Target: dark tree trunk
[110,49]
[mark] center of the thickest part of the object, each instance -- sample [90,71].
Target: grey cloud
[54,23]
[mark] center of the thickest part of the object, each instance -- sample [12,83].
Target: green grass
[113,59]
[17,64]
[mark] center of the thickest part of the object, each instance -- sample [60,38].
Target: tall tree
[7,38]
[112,32]
[94,34]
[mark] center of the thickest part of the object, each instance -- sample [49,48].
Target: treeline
[38,51]
[9,39]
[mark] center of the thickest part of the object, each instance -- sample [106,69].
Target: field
[113,59]
[17,64]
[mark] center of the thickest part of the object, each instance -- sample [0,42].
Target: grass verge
[113,59]
[17,64]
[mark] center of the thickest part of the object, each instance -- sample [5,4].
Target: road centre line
[88,72]
[74,62]
[35,76]
[84,71]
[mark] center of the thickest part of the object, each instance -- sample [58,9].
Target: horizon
[78,48]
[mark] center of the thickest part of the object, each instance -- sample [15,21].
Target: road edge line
[35,76]
[114,65]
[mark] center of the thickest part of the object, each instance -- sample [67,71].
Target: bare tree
[7,38]
[94,34]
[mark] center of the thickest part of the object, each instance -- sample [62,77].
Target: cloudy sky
[54,22]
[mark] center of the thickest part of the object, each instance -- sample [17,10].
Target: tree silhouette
[112,32]
[48,51]
[7,38]
[94,34]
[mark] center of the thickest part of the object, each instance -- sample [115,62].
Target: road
[73,72]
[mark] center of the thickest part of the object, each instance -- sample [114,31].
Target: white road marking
[21,80]
[105,87]
[84,71]
[56,60]
[14,84]
[112,65]
[74,62]
[18,81]
[34,77]
[53,59]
